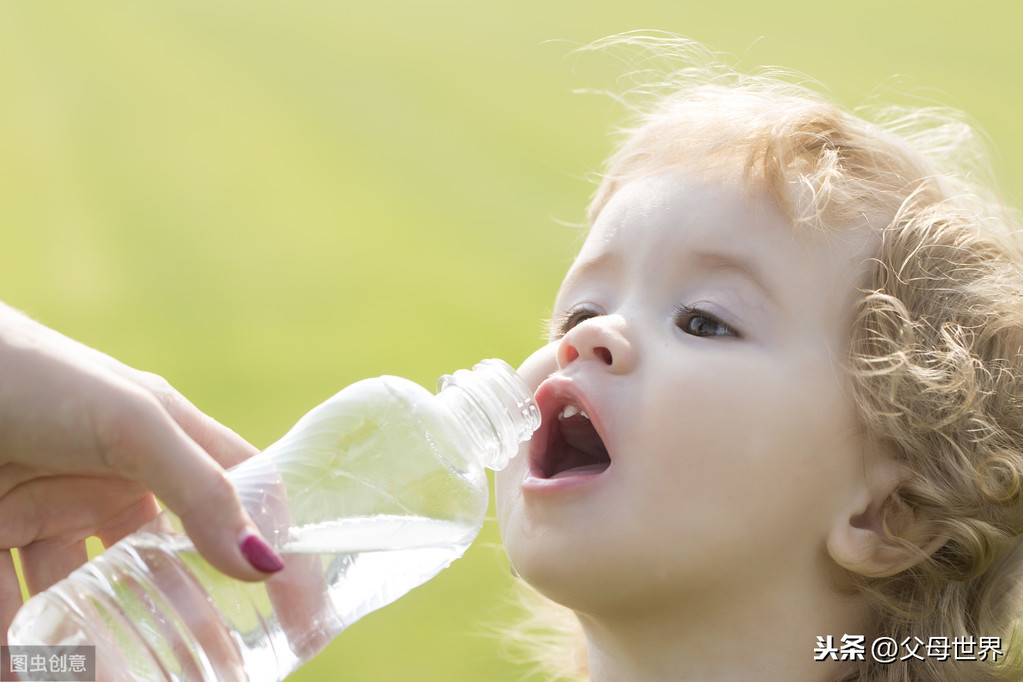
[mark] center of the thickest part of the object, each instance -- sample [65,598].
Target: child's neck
[759,634]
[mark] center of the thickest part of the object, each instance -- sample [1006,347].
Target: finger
[10,593]
[300,598]
[47,562]
[221,443]
[13,474]
[143,442]
[71,508]
[130,520]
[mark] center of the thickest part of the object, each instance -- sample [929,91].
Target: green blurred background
[265,201]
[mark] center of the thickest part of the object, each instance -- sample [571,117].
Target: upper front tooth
[571,411]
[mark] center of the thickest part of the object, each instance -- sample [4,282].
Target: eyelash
[561,324]
[684,316]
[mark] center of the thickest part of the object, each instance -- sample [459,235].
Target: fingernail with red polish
[260,555]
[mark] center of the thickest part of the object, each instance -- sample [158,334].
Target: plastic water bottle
[370,494]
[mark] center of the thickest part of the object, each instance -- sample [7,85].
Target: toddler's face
[698,436]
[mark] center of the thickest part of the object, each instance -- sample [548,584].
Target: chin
[556,576]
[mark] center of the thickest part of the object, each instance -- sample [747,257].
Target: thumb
[153,449]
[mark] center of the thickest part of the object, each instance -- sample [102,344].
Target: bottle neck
[495,406]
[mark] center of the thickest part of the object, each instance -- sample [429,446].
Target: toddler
[783,398]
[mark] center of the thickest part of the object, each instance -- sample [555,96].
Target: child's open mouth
[571,445]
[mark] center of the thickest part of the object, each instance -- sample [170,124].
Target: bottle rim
[508,400]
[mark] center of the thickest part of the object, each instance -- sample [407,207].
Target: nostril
[604,354]
[570,353]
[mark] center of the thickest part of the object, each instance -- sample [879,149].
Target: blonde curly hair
[936,353]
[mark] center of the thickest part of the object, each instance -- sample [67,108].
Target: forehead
[685,222]
[677,198]
[683,211]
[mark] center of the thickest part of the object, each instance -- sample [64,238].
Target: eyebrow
[746,268]
[605,261]
[706,260]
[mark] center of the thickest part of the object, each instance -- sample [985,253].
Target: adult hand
[85,444]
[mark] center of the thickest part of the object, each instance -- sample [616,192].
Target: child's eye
[697,322]
[561,324]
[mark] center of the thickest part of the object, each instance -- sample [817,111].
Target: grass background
[265,201]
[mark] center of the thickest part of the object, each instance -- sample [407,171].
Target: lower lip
[568,480]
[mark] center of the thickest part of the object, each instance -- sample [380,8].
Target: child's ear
[858,541]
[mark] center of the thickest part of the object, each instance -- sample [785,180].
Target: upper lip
[552,396]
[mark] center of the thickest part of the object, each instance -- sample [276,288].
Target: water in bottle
[370,494]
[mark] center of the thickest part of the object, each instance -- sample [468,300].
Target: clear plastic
[370,494]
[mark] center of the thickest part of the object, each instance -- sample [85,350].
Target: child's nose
[599,339]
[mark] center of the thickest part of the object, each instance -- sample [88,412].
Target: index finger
[221,443]
[140,440]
